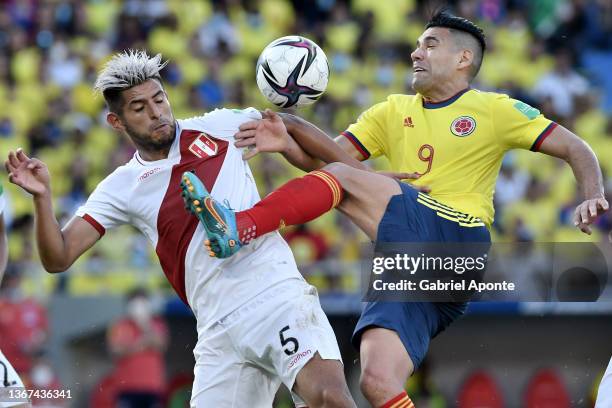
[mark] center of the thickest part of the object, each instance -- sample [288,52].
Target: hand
[588,211]
[30,174]
[399,176]
[266,135]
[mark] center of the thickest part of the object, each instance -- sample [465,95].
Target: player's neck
[153,155]
[437,95]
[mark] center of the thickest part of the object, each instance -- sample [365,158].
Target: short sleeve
[518,125]
[106,207]
[222,123]
[368,134]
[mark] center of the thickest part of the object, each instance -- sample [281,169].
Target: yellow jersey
[456,145]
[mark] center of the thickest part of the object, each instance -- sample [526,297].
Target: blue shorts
[416,323]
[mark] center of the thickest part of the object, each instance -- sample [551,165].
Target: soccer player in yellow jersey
[448,137]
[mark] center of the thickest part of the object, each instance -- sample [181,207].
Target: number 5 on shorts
[284,341]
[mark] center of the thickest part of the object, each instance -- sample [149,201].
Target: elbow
[53,268]
[580,151]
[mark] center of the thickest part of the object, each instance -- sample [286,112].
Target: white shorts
[604,394]
[8,379]
[245,357]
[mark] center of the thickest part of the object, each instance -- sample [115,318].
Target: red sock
[399,401]
[296,202]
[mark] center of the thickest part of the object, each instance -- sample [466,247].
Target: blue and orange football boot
[218,220]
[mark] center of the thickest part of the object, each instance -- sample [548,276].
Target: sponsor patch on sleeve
[526,110]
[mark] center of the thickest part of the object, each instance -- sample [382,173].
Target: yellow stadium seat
[191,14]
[99,13]
[25,65]
[84,100]
[573,234]
[389,16]
[342,37]
[172,45]
[277,13]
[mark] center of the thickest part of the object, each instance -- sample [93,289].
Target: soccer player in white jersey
[604,393]
[8,376]
[259,323]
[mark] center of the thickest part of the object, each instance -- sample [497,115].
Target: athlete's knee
[349,178]
[376,381]
[339,170]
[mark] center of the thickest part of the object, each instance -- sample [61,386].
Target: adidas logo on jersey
[408,122]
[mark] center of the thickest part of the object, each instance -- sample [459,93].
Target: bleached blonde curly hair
[125,70]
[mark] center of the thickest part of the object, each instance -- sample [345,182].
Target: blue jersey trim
[442,104]
[358,145]
[540,139]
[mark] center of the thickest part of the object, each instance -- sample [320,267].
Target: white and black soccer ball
[292,71]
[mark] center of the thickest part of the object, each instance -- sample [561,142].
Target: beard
[148,142]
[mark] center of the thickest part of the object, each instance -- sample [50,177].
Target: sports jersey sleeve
[369,133]
[223,123]
[106,207]
[518,125]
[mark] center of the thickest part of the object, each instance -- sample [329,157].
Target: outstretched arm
[317,143]
[576,152]
[58,248]
[302,143]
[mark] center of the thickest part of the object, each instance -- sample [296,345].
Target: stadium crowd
[550,54]
[546,53]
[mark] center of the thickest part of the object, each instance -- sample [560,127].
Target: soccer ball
[292,71]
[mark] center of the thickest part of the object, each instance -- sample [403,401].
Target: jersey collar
[441,104]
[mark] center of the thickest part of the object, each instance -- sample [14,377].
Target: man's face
[146,116]
[434,60]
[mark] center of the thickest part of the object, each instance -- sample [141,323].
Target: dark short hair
[467,30]
[113,99]
[444,18]
[137,292]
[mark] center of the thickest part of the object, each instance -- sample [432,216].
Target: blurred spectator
[43,377]
[563,86]
[138,342]
[218,36]
[511,183]
[210,90]
[422,388]
[65,68]
[571,31]
[23,323]
[534,217]
[307,245]
[51,50]
[21,232]
[130,32]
